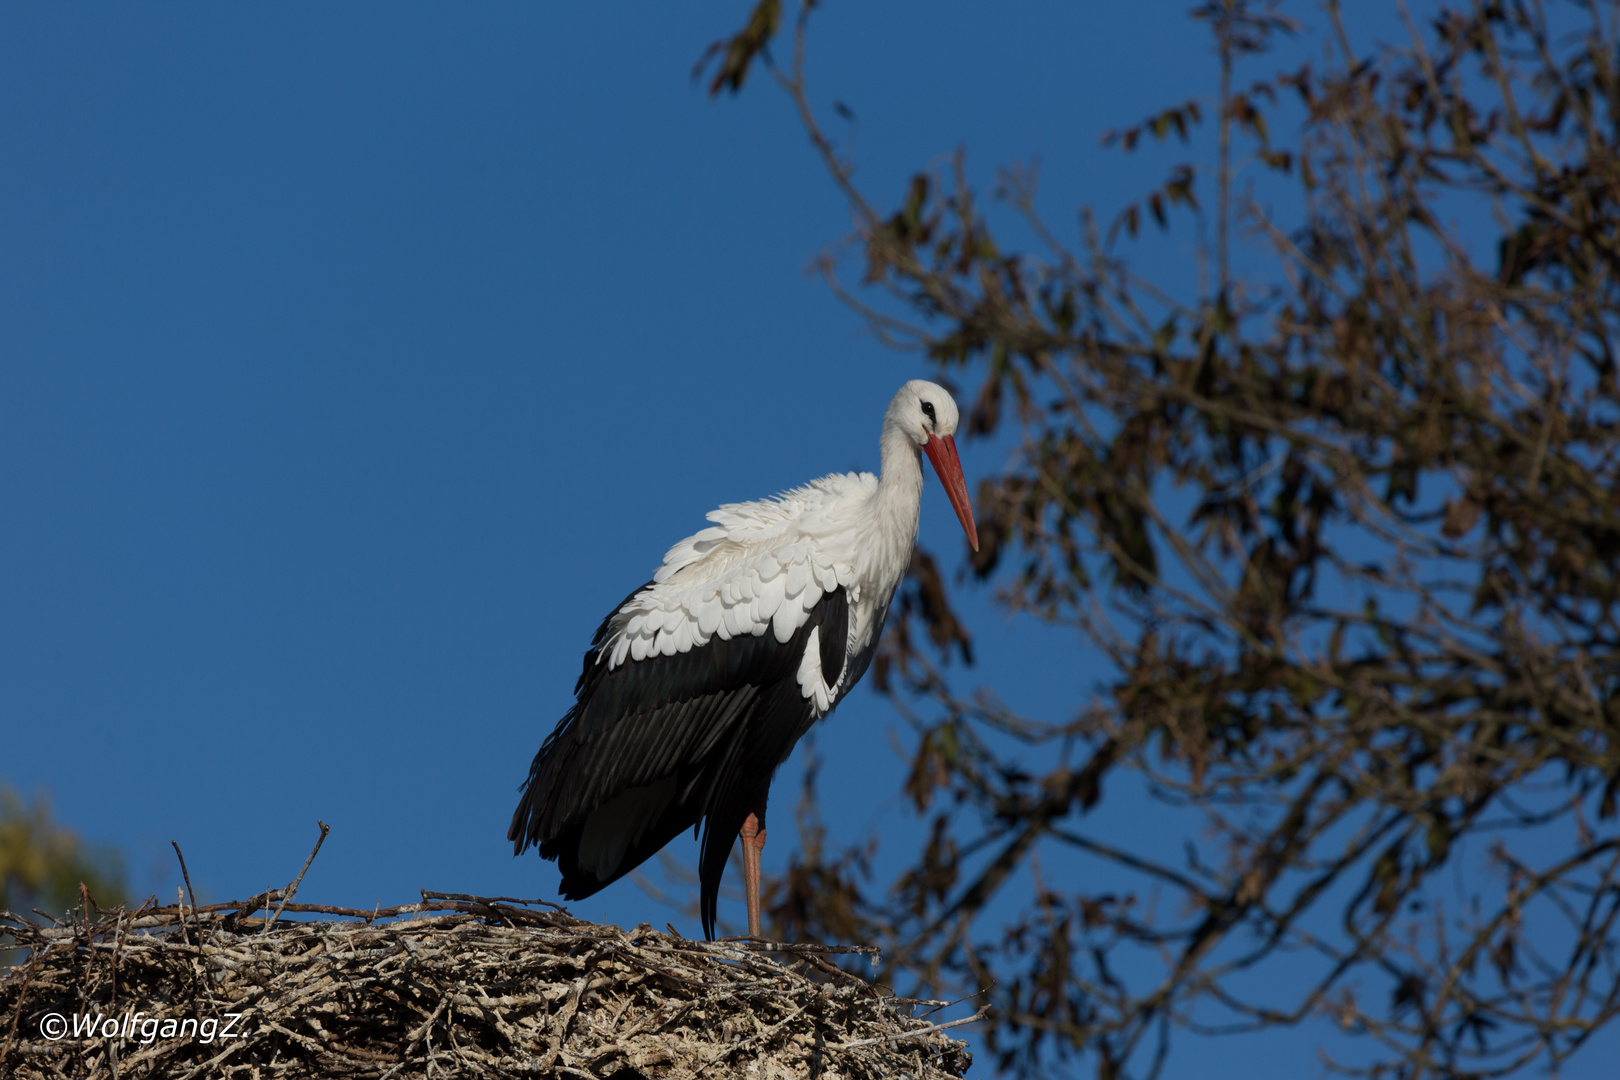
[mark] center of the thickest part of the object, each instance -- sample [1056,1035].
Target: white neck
[894,510]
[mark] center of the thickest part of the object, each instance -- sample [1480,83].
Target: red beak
[942,452]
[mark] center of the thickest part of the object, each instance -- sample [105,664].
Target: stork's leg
[753,842]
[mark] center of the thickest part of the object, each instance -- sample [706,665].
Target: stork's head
[924,411]
[928,416]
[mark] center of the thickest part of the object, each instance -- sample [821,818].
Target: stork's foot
[753,842]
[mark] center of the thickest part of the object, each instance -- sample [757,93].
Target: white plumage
[762,568]
[697,686]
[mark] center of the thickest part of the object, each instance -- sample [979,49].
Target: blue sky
[354,360]
[355,364]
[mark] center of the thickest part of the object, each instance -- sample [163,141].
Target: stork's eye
[928,411]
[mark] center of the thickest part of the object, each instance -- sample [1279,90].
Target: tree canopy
[1342,518]
[42,863]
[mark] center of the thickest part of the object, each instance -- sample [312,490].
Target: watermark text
[138,1027]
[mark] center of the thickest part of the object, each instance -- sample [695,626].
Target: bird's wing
[748,614]
[763,567]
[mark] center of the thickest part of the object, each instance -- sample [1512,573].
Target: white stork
[699,684]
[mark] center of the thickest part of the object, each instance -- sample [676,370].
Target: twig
[184,872]
[293,889]
[984,1010]
[800,948]
[429,894]
[22,995]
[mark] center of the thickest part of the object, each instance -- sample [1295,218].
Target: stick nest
[456,986]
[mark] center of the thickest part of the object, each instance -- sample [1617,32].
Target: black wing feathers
[834,639]
[718,718]
[780,722]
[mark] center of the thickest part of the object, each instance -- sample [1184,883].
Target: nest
[455,986]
